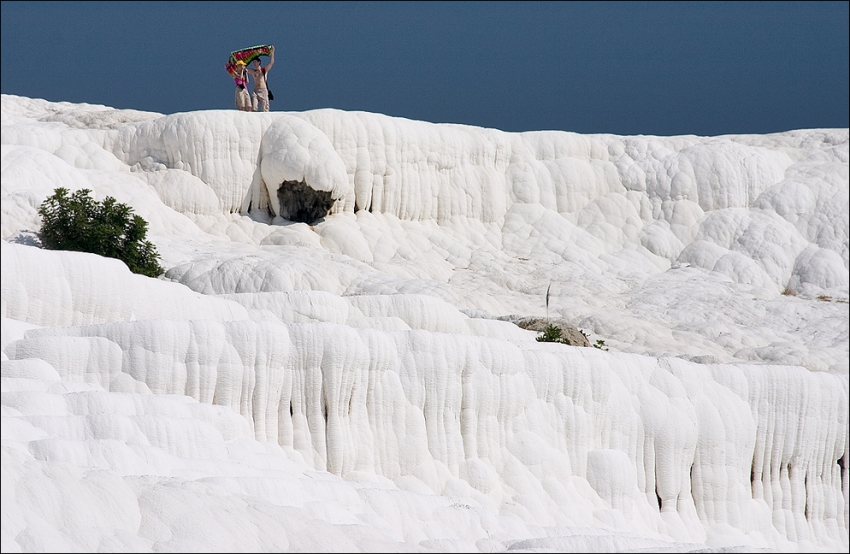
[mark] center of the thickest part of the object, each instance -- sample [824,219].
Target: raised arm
[271,59]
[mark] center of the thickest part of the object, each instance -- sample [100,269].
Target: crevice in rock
[299,202]
[806,503]
[691,480]
[657,496]
[753,478]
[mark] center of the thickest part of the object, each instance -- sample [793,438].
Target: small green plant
[78,222]
[552,334]
[600,344]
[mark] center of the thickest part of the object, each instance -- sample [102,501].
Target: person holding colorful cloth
[261,89]
[243,100]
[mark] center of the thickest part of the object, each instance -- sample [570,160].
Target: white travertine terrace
[344,384]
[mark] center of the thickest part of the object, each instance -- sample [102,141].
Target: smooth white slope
[328,340]
[76,288]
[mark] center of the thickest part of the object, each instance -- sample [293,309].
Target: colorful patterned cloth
[247,55]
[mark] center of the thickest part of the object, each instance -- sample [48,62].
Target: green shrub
[107,228]
[552,334]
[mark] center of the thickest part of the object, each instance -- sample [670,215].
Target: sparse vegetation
[826,298]
[80,223]
[600,344]
[788,292]
[552,334]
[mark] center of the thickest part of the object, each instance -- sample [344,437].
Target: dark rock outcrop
[299,202]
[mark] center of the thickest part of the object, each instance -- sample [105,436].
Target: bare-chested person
[261,89]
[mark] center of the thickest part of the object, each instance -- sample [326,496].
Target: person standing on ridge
[243,99]
[261,89]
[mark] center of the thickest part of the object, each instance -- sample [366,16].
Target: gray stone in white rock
[570,333]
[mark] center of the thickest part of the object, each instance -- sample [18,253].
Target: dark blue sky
[628,68]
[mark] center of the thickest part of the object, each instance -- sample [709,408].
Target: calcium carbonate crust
[352,382]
